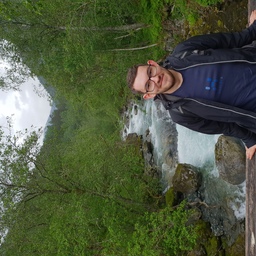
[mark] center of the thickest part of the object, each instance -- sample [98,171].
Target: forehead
[141,78]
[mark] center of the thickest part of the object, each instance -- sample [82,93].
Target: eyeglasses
[150,85]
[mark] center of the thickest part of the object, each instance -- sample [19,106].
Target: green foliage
[208,2]
[190,10]
[170,197]
[152,9]
[78,194]
[69,33]
[165,232]
[84,190]
[16,160]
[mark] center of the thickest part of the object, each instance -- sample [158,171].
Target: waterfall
[151,117]
[192,147]
[198,149]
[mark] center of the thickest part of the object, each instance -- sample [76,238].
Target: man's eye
[150,72]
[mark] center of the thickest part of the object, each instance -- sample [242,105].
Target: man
[208,84]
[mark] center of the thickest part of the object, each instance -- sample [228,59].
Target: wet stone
[230,159]
[186,179]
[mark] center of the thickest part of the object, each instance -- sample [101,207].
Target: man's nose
[155,79]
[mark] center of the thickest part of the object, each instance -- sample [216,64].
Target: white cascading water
[198,149]
[150,117]
[193,148]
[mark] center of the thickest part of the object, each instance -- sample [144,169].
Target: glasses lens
[151,71]
[150,86]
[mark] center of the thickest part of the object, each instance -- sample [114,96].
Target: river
[192,148]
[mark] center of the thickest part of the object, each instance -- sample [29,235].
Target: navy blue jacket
[206,116]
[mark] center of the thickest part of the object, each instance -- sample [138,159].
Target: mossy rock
[135,141]
[186,179]
[173,197]
[194,217]
[207,243]
[204,231]
[237,248]
[170,197]
[212,246]
[230,159]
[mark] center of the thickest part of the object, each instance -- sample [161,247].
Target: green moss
[170,197]
[206,238]
[237,249]
[212,246]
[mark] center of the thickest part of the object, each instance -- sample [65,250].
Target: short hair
[131,75]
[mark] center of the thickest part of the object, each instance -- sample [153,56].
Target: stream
[226,202]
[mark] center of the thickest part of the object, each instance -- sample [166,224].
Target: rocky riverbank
[220,229]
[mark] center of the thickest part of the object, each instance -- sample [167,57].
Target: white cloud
[25,106]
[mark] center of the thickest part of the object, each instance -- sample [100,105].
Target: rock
[170,197]
[207,243]
[220,212]
[151,168]
[199,250]
[186,179]
[133,139]
[168,139]
[230,159]
[173,27]
[237,248]
[135,109]
[148,152]
[195,216]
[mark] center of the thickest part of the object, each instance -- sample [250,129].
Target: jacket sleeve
[219,40]
[205,126]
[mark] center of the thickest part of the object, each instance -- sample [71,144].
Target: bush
[208,2]
[165,232]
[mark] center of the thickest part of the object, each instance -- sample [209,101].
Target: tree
[50,192]
[13,71]
[83,182]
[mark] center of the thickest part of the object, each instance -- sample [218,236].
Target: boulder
[207,243]
[148,150]
[230,159]
[238,247]
[133,139]
[186,179]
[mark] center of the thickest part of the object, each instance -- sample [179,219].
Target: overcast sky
[26,106]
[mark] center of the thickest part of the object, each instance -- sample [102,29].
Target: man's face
[163,80]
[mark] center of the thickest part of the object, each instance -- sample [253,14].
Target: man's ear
[148,96]
[152,62]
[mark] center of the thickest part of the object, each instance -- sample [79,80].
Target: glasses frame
[149,79]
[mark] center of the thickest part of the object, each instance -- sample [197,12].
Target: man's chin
[167,91]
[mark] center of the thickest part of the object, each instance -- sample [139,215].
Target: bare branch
[133,49]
